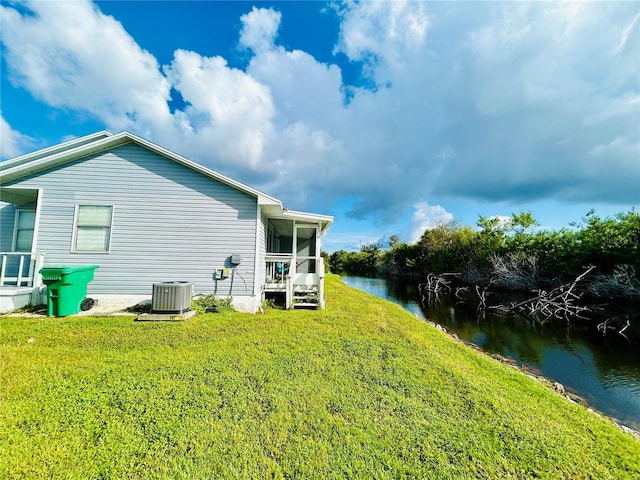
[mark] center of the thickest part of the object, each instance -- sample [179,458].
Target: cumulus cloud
[227,110]
[71,56]
[511,102]
[389,32]
[259,28]
[425,217]
[12,142]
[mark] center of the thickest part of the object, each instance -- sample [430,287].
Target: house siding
[170,223]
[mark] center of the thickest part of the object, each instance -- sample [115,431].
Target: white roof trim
[307,216]
[53,149]
[324,220]
[80,147]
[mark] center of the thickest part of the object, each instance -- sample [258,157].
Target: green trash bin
[67,288]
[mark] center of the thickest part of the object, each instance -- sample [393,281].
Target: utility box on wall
[221,273]
[236,259]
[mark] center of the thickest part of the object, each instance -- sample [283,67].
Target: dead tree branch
[604,328]
[434,286]
[560,303]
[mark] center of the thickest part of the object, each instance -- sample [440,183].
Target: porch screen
[93,228]
[306,250]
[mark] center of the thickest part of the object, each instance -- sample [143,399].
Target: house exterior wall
[170,223]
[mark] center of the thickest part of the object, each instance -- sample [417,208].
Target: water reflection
[603,370]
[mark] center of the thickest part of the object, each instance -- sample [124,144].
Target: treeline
[512,254]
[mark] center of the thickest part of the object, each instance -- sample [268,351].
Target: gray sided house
[146,215]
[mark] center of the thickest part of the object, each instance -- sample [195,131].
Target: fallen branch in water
[604,327]
[461,292]
[482,295]
[561,302]
[434,286]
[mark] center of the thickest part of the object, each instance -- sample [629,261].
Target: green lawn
[362,389]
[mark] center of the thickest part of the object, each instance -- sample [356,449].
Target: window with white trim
[24,227]
[93,228]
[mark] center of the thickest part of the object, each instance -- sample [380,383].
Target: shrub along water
[508,254]
[362,389]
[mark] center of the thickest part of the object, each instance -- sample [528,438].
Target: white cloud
[71,56]
[618,147]
[12,142]
[614,109]
[351,241]
[383,30]
[303,89]
[425,217]
[628,33]
[259,28]
[228,111]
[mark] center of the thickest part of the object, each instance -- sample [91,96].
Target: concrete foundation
[13,298]
[166,317]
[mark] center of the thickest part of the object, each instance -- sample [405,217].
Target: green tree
[447,247]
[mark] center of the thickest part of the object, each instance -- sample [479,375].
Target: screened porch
[294,266]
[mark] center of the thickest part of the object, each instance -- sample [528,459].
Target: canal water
[604,370]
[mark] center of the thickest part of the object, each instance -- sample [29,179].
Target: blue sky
[391,116]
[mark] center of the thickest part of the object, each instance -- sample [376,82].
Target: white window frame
[75,229]
[15,228]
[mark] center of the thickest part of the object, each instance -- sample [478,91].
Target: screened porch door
[306,248]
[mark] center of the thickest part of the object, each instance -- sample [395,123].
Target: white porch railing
[20,269]
[278,268]
[281,277]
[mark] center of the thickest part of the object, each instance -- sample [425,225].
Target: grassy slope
[362,389]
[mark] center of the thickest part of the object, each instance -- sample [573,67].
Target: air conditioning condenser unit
[171,297]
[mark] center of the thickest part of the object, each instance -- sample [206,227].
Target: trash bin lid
[65,269]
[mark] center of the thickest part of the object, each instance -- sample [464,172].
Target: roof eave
[60,147]
[324,221]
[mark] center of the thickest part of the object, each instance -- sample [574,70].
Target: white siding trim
[258,258]
[60,147]
[36,227]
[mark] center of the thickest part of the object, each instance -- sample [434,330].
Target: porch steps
[305,296]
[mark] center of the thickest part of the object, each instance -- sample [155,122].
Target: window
[24,226]
[93,228]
